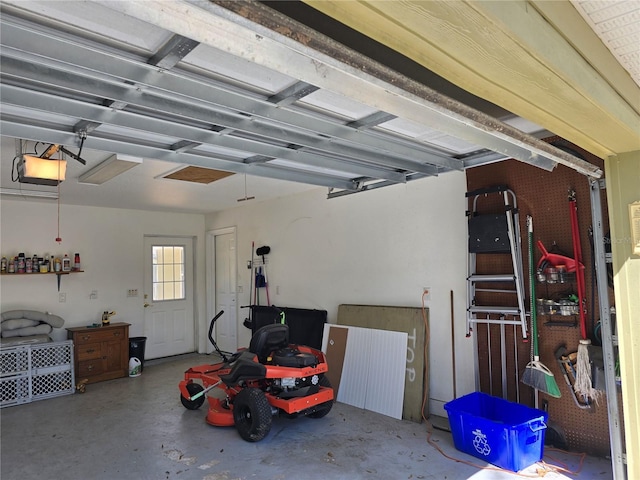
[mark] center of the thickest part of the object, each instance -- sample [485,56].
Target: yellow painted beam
[623,188]
[507,53]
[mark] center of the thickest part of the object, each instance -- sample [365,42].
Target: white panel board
[387,363]
[373,372]
[355,372]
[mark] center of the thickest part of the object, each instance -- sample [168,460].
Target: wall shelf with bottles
[47,265]
[40,274]
[36,274]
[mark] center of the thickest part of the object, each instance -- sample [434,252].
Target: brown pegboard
[544,196]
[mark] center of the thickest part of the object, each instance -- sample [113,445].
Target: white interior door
[225,291]
[169,323]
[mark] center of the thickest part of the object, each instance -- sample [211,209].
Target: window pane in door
[179,291]
[157,292]
[168,291]
[178,272]
[168,273]
[157,255]
[157,273]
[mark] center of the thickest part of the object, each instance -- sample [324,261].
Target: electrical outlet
[132,292]
[62,297]
[94,295]
[426,293]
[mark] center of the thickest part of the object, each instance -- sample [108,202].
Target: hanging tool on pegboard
[261,279]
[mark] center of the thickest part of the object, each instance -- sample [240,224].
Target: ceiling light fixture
[110,168]
[28,193]
[40,171]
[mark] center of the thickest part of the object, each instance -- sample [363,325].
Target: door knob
[146,304]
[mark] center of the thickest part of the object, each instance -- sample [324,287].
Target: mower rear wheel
[193,389]
[252,414]
[323,408]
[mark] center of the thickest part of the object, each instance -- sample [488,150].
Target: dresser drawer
[88,351]
[98,335]
[89,368]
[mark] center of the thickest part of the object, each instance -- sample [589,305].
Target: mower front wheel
[193,389]
[324,408]
[252,414]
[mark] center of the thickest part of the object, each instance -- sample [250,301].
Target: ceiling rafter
[14,128]
[193,137]
[174,50]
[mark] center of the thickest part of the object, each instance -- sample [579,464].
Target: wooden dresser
[101,353]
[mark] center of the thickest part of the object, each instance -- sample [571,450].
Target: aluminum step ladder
[495,234]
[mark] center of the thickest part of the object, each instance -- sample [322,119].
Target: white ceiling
[70,64]
[617,23]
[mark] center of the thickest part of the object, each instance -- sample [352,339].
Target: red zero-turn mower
[268,378]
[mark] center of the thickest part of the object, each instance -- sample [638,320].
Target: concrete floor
[136,428]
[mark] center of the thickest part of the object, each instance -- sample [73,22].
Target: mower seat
[269,338]
[244,368]
[292,357]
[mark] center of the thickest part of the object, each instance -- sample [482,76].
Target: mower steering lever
[213,342]
[203,392]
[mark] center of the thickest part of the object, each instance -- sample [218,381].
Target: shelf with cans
[22,264]
[559,298]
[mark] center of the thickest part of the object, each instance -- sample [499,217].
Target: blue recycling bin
[497,431]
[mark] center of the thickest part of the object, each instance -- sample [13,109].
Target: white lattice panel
[36,372]
[14,361]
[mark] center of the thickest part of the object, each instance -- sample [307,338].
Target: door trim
[211,276]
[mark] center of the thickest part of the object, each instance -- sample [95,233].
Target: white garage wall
[110,243]
[378,248]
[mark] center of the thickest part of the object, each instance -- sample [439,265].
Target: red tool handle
[577,253]
[555,259]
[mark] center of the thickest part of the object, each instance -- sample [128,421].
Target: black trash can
[136,349]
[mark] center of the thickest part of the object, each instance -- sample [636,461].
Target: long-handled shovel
[536,374]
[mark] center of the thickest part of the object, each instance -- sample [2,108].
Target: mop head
[583,385]
[539,377]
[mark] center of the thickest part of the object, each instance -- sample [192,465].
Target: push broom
[536,374]
[583,384]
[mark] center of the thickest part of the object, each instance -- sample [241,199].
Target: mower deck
[219,415]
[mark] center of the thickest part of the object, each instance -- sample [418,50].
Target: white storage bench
[35,372]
